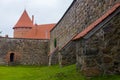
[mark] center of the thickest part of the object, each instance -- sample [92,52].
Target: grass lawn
[45,73]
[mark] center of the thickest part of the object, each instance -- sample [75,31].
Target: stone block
[91,71]
[107,59]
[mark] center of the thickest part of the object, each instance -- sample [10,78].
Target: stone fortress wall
[25,51]
[77,18]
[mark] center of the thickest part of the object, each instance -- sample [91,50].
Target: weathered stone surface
[101,50]
[79,16]
[93,71]
[68,54]
[26,51]
[54,58]
[107,59]
[99,53]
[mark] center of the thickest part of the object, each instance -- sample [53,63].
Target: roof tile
[24,21]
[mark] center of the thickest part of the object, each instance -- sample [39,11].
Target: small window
[55,42]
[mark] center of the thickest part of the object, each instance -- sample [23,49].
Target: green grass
[109,77]
[45,73]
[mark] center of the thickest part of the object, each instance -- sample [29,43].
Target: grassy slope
[45,73]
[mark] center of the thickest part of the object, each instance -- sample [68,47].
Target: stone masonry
[64,57]
[80,15]
[100,54]
[26,51]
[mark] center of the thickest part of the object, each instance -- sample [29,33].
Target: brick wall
[20,32]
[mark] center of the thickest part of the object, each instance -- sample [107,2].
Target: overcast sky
[44,11]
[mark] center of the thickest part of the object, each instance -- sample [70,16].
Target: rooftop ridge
[24,21]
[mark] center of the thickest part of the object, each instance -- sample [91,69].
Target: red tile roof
[94,24]
[40,31]
[24,21]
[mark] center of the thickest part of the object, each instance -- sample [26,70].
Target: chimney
[33,19]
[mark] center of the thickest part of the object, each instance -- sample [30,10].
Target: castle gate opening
[12,57]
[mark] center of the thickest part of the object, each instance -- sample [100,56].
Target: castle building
[25,28]
[30,44]
[88,34]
